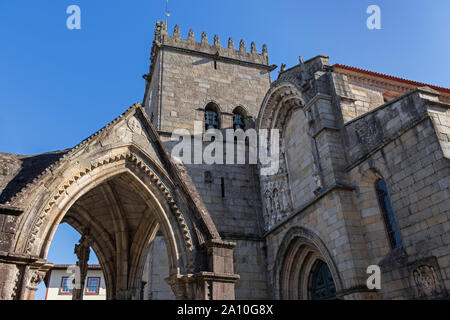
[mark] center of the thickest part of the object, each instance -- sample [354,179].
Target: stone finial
[216,40]
[264,49]
[176,31]
[283,67]
[191,36]
[253,48]
[157,29]
[242,46]
[231,44]
[204,38]
[163,27]
[300,59]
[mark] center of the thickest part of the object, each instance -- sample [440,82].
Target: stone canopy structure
[363,180]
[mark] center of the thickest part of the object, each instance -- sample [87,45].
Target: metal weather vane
[167,11]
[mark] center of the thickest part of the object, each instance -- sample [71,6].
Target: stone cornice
[385,142]
[10,210]
[387,104]
[218,57]
[387,82]
[19,258]
[314,99]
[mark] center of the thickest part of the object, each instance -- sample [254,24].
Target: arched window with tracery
[390,222]
[212,119]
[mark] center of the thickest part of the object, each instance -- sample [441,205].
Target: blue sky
[58,86]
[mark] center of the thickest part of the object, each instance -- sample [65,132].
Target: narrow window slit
[222,183]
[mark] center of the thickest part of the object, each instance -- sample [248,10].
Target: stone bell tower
[187,79]
[186,75]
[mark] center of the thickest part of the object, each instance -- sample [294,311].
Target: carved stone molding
[140,165]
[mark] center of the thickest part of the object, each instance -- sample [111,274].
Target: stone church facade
[363,180]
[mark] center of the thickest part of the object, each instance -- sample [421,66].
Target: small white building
[59,285]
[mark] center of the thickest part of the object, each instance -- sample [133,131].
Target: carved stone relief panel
[426,278]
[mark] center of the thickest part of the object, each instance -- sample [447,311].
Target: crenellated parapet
[214,50]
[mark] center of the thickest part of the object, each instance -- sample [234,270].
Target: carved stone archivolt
[275,190]
[139,164]
[300,241]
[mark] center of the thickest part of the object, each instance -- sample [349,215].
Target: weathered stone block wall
[250,265]
[186,75]
[332,219]
[440,114]
[231,195]
[7,231]
[401,145]
[8,272]
[356,98]
[154,95]
[300,161]
[190,82]
[155,271]
[365,133]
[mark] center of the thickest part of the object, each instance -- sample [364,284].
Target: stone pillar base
[215,284]
[203,286]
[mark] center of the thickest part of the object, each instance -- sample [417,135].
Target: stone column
[20,275]
[141,292]
[82,250]
[217,283]
[220,262]
[10,276]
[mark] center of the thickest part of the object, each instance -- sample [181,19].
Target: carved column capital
[33,275]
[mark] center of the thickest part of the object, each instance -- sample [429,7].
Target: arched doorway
[322,284]
[304,269]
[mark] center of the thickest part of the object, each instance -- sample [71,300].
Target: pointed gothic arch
[122,185]
[284,109]
[300,251]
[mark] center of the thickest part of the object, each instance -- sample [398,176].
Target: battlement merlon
[214,51]
[163,41]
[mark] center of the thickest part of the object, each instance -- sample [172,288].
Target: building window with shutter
[93,285]
[66,285]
